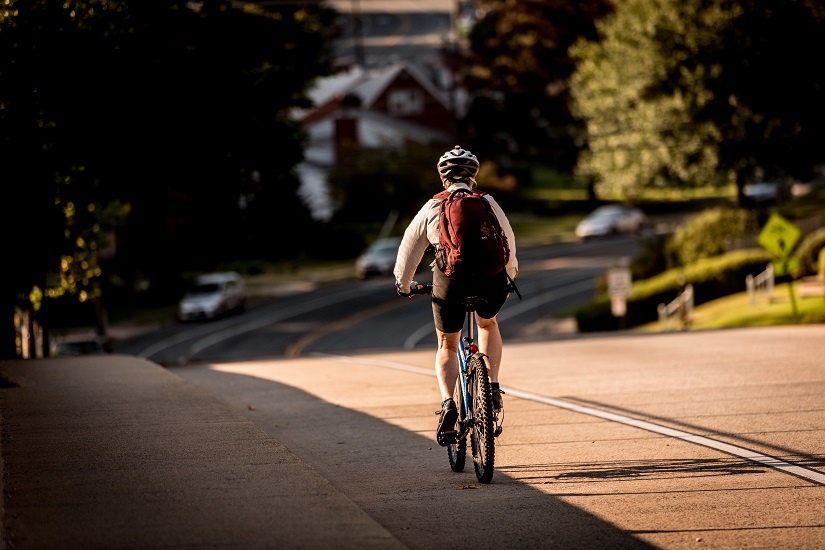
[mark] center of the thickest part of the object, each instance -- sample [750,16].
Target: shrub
[808,252]
[650,259]
[822,265]
[709,234]
[711,278]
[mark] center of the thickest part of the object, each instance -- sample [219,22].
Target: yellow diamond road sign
[779,236]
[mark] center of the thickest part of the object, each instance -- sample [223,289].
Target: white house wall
[314,192]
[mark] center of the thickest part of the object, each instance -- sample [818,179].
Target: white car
[378,258]
[214,295]
[612,219]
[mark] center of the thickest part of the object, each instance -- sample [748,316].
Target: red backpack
[471,240]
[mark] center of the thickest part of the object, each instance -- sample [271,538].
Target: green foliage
[711,278]
[650,260]
[375,181]
[807,204]
[633,127]
[709,233]
[176,109]
[809,253]
[518,71]
[674,94]
[821,265]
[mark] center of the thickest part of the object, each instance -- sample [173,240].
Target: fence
[679,309]
[760,285]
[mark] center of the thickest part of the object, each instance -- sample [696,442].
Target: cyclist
[457,169]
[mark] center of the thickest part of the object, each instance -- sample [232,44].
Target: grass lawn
[540,230]
[737,311]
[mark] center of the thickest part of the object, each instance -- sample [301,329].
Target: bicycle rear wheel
[483,432]
[457,452]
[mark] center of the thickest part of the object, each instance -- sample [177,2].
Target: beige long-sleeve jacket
[424,230]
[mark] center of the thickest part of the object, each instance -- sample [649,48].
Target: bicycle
[473,396]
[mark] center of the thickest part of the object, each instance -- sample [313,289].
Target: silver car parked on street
[378,259]
[612,219]
[214,295]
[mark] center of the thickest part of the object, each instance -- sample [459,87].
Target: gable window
[405,102]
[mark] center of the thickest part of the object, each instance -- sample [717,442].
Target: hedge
[711,278]
[808,252]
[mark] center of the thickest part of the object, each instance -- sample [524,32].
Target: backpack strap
[446,194]
[460,190]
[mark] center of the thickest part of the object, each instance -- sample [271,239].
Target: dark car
[91,345]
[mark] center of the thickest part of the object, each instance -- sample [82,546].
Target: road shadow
[402,479]
[635,470]
[788,454]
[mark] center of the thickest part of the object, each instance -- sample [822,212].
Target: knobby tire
[483,432]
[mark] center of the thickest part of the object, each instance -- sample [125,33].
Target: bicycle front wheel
[483,433]
[457,452]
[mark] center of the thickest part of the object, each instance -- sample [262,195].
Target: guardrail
[679,309]
[760,285]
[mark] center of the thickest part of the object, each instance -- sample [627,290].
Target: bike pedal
[446,438]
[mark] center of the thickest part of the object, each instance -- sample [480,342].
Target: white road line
[517,309]
[765,460]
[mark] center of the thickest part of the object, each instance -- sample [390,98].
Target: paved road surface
[684,440]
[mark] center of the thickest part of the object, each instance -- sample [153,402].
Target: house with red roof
[369,108]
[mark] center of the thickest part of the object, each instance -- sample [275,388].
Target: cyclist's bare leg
[446,362]
[489,342]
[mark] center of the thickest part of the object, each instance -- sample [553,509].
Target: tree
[700,92]
[518,79]
[178,110]
[377,181]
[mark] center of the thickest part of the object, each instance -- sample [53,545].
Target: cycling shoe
[445,433]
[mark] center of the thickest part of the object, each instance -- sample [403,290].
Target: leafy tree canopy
[177,111]
[698,92]
[518,78]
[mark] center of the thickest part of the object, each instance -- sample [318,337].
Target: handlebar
[426,288]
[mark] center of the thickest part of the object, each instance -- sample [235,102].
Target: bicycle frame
[467,349]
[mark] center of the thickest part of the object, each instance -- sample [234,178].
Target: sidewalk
[116,452]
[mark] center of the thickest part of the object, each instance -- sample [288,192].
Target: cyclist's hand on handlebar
[421,288]
[410,294]
[415,288]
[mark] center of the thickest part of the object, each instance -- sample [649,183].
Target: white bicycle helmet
[457,163]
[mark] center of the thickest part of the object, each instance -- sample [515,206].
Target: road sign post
[619,287]
[779,237]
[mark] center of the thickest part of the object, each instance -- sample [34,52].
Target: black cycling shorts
[449,293]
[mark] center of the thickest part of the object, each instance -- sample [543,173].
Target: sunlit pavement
[611,440]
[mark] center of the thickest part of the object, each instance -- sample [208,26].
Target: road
[677,440]
[680,440]
[368,315]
